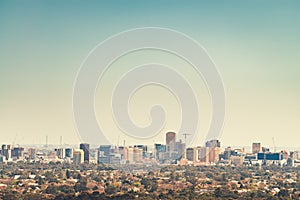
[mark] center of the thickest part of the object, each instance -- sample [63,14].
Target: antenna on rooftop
[46,140]
[185,135]
[60,141]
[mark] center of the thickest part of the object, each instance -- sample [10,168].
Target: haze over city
[254,45]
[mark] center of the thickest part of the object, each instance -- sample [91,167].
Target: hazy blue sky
[255,45]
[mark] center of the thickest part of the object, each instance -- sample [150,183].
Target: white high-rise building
[78,156]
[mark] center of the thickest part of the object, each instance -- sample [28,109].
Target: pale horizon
[254,44]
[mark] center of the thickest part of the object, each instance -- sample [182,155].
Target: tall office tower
[17,152]
[130,155]
[192,154]
[78,156]
[256,147]
[214,153]
[69,152]
[124,152]
[4,151]
[60,153]
[227,153]
[137,155]
[180,149]
[144,148]
[203,154]
[106,149]
[86,149]
[31,153]
[213,143]
[170,141]
[159,150]
[3,146]
[214,150]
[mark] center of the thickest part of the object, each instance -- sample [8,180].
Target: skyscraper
[106,149]
[214,150]
[86,149]
[124,152]
[192,154]
[256,147]
[159,150]
[69,152]
[17,152]
[214,154]
[31,153]
[213,143]
[203,154]
[180,149]
[60,153]
[78,156]
[170,141]
[144,148]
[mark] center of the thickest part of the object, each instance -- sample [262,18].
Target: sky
[255,45]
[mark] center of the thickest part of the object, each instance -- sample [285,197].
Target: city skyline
[173,151]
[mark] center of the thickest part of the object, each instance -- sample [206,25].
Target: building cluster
[259,156]
[172,152]
[207,155]
[76,155]
[10,153]
[175,152]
